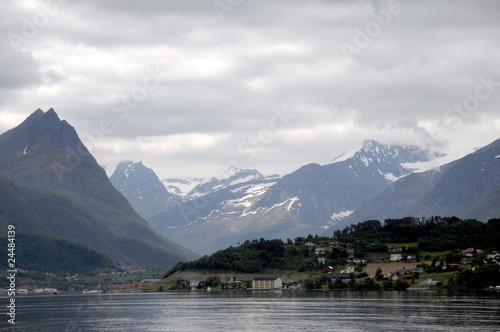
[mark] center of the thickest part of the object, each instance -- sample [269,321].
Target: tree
[339,283]
[309,284]
[400,285]
[212,281]
[317,284]
[325,279]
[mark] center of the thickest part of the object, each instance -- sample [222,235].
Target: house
[348,269]
[358,261]
[329,269]
[267,283]
[402,271]
[493,255]
[319,251]
[396,257]
[411,259]
[321,260]
[350,253]
[233,280]
[378,259]
[397,249]
[310,244]
[393,277]
[334,244]
[194,283]
[469,252]
[467,260]
[432,281]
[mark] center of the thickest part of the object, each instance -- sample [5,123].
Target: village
[351,270]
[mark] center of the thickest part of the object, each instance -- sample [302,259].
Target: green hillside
[43,254]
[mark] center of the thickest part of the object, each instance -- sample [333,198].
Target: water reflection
[262,311]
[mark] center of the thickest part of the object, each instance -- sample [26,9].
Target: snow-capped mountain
[310,199]
[468,187]
[228,178]
[393,162]
[142,188]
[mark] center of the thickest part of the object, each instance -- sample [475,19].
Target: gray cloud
[221,79]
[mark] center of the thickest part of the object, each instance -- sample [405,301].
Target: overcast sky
[189,87]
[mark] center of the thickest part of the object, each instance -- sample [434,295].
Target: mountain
[331,192]
[309,200]
[180,186]
[45,153]
[229,193]
[468,188]
[222,180]
[142,188]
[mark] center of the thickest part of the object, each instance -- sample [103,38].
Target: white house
[396,257]
[319,251]
[348,269]
[493,255]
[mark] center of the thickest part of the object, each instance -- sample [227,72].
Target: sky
[193,87]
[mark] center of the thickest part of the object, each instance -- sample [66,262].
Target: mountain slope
[391,202]
[45,153]
[142,188]
[465,183]
[486,208]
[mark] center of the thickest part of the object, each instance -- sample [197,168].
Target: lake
[258,311]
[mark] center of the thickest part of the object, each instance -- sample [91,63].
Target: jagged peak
[51,116]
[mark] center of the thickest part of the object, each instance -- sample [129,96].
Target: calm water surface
[263,311]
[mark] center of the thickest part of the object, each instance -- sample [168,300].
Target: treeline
[258,255]
[252,256]
[431,234]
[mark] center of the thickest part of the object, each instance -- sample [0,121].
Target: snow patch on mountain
[341,214]
[180,186]
[347,155]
